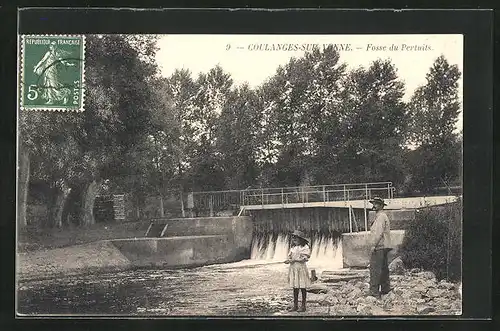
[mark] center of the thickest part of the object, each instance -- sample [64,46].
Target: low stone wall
[172,252]
[356,251]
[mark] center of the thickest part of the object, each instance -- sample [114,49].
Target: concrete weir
[190,242]
[175,251]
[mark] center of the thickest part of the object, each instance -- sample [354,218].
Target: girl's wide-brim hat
[378,200]
[299,234]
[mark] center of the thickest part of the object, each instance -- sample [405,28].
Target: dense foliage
[313,121]
[434,242]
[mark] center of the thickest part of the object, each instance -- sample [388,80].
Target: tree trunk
[24,177]
[88,199]
[162,210]
[182,203]
[57,208]
[71,209]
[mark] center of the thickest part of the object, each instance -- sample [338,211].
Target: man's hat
[300,234]
[378,200]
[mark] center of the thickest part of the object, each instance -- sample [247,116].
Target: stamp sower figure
[48,70]
[380,243]
[298,275]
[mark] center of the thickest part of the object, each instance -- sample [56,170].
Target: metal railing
[216,201]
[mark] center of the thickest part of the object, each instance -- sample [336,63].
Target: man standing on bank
[380,243]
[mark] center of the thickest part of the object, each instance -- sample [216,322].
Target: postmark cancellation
[52,72]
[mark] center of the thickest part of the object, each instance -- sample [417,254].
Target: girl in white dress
[298,275]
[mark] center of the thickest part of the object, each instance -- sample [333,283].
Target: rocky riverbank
[414,293]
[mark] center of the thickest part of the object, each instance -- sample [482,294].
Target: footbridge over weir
[325,208]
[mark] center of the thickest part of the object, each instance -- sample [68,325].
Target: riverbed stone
[317,288]
[396,267]
[315,297]
[389,297]
[370,300]
[333,300]
[436,293]
[426,275]
[425,309]
[363,309]
[446,285]
[420,289]
[397,278]
[397,291]
[348,288]
[355,293]
[409,294]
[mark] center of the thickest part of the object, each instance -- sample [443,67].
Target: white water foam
[325,252]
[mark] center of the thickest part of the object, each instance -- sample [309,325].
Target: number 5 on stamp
[52,72]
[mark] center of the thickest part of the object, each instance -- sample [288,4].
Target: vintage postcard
[240,175]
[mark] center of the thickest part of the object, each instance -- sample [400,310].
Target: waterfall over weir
[326,251]
[323,226]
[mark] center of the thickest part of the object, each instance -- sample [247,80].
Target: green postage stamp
[52,72]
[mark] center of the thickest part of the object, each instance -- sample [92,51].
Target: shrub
[433,241]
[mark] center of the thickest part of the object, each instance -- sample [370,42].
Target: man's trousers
[379,272]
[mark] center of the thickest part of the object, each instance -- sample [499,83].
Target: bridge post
[350,219]
[324,195]
[366,215]
[211,205]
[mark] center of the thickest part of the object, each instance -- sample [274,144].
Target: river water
[243,288]
[257,286]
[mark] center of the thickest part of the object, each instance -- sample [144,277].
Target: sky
[254,58]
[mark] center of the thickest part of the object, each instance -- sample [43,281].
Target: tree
[182,90]
[237,137]
[212,90]
[285,139]
[118,105]
[373,123]
[47,155]
[324,103]
[434,110]
[162,157]
[77,151]
[435,106]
